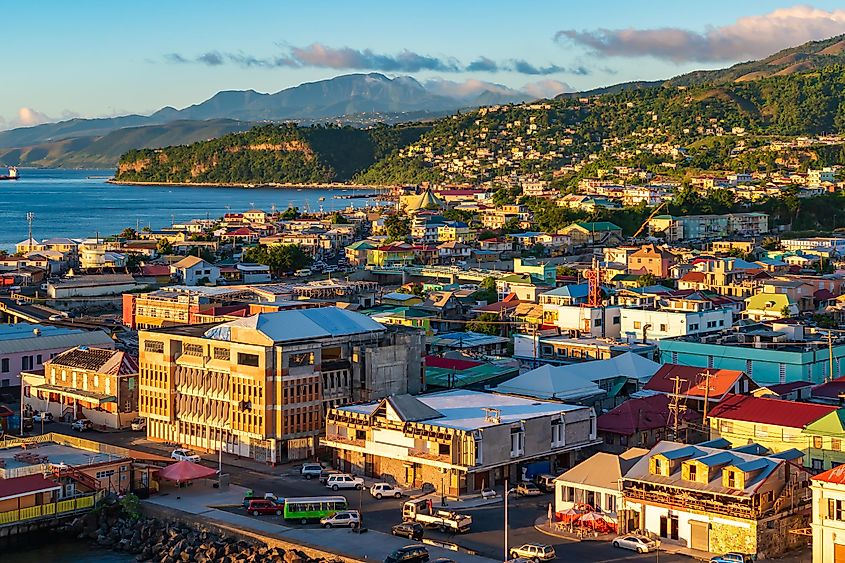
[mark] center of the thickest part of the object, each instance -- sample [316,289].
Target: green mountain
[270,153]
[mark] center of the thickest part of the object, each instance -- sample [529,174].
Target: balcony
[50,510]
[345,440]
[427,455]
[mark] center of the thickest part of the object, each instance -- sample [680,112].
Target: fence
[59,508]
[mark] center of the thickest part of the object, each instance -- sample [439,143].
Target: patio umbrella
[184,471]
[590,518]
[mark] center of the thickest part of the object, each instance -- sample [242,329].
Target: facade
[584,233]
[655,324]
[25,346]
[595,482]
[641,422]
[824,440]
[177,305]
[651,259]
[259,386]
[85,382]
[192,270]
[828,516]
[705,227]
[717,500]
[458,441]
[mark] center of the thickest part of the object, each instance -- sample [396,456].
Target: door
[699,535]
[838,553]
[664,527]
[673,527]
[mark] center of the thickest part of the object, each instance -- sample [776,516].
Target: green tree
[485,324]
[290,213]
[163,246]
[567,271]
[128,233]
[396,227]
[338,219]
[487,291]
[280,258]
[646,280]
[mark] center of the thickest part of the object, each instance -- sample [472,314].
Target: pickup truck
[423,511]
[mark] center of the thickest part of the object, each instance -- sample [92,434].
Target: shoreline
[280,185]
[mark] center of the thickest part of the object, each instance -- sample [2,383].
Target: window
[617,319]
[221,354]
[664,327]
[836,444]
[193,350]
[479,452]
[692,472]
[26,362]
[675,355]
[247,359]
[4,365]
[558,434]
[597,322]
[817,442]
[726,426]
[731,482]
[709,361]
[836,509]
[298,360]
[693,326]
[637,324]
[154,346]
[761,431]
[818,464]
[517,441]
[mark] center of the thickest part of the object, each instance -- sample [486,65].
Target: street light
[507,492]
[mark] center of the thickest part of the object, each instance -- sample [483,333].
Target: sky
[103,58]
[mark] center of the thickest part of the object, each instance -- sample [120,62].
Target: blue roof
[720,458]
[300,324]
[715,443]
[789,454]
[755,449]
[527,234]
[682,453]
[24,330]
[753,465]
[572,291]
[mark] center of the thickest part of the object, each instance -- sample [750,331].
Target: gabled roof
[692,382]
[574,291]
[598,226]
[635,415]
[769,411]
[189,262]
[835,475]
[99,360]
[602,470]
[831,424]
[27,485]
[411,409]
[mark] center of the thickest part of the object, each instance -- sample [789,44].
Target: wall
[676,323]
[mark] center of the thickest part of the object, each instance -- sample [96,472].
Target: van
[303,273]
[311,470]
[546,482]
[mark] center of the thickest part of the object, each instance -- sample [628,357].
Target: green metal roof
[832,424]
[439,377]
[599,226]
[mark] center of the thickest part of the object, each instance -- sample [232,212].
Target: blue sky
[91,58]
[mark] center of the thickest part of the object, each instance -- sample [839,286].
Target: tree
[290,213]
[338,219]
[567,272]
[128,233]
[646,280]
[397,228]
[163,246]
[412,289]
[485,324]
[785,312]
[280,258]
[487,291]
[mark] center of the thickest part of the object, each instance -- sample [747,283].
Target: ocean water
[44,547]
[69,203]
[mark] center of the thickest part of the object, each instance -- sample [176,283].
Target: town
[677,389]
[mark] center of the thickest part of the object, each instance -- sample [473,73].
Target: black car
[410,530]
[408,554]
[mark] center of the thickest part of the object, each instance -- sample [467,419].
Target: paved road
[486,536]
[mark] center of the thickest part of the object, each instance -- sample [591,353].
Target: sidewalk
[372,545]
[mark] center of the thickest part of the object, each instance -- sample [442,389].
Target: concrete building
[595,482]
[92,286]
[717,500]
[26,346]
[828,516]
[178,305]
[458,441]
[651,259]
[705,227]
[259,386]
[99,384]
[192,270]
[674,318]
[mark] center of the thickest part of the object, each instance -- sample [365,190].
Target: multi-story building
[26,346]
[259,386]
[95,383]
[828,516]
[177,305]
[717,500]
[705,227]
[837,244]
[651,259]
[674,317]
[784,354]
[457,441]
[584,232]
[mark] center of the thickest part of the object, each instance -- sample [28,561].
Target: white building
[592,321]
[828,516]
[595,482]
[654,324]
[192,269]
[837,244]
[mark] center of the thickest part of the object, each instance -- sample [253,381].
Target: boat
[13,174]
[321,199]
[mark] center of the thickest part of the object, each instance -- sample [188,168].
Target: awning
[183,471]
[88,396]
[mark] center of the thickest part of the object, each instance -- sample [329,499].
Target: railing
[345,440]
[48,510]
[425,454]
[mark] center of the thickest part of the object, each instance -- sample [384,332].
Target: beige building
[259,386]
[828,516]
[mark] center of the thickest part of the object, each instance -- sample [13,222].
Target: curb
[567,538]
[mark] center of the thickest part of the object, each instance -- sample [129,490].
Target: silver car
[640,544]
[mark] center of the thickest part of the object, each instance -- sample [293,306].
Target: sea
[45,547]
[80,203]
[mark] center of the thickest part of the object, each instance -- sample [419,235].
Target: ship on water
[12,175]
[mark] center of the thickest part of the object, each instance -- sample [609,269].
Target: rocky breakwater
[154,540]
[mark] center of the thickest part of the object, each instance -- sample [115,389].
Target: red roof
[831,389]
[156,270]
[242,232]
[17,486]
[634,415]
[696,277]
[182,471]
[834,475]
[449,363]
[692,380]
[769,411]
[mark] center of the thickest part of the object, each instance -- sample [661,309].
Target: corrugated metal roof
[57,341]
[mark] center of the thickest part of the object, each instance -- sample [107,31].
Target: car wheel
[443,529]
[278,513]
[334,487]
[359,486]
[327,525]
[378,496]
[308,476]
[398,495]
[304,521]
[255,513]
[616,544]
[513,555]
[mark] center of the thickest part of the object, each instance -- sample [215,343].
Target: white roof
[463,409]
[301,324]
[578,380]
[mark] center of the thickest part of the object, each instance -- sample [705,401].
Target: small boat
[321,199]
[13,174]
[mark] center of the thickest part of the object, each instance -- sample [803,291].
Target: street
[486,537]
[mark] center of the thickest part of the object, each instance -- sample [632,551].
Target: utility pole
[830,351]
[706,375]
[676,407]
[30,217]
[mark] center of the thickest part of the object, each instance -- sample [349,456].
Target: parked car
[303,273]
[410,530]
[259,506]
[326,473]
[55,318]
[82,425]
[139,424]
[546,482]
[329,269]
[733,557]
[528,490]
[311,470]
[42,416]
[488,493]
[344,481]
[380,490]
[181,454]
[636,542]
[342,519]
[407,554]
[534,551]
[442,560]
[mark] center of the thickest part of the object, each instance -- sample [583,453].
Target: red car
[264,506]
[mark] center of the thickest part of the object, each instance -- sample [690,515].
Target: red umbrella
[183,471]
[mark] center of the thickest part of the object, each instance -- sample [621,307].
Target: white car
[42,416]
[640,544]
[380,490]
[311,470]
[184,455]
[488,493]
[139,424]
[342,519]
[344,481]
[533,551]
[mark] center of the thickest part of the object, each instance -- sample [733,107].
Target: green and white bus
[313,508]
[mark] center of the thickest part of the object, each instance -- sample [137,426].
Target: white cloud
[466,89]
[747,38]
[28,116]
[546,88]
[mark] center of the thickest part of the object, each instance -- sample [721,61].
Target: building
[179,304]
[836,244]
[673,317]
[824,440]
[717,500]
[828,516]
[26,346]
[586,233]
[259,386]
[98,384]
[696,385]
[651,259]
[595,482]
[192,270]
[92,286]
[781,354]
[772,423]
[536,349]
[705,227]
[457,441]
[641,422]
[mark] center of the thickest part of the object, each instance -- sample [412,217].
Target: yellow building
[772,423]
[259,386]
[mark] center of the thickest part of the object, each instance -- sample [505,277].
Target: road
[486,537]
